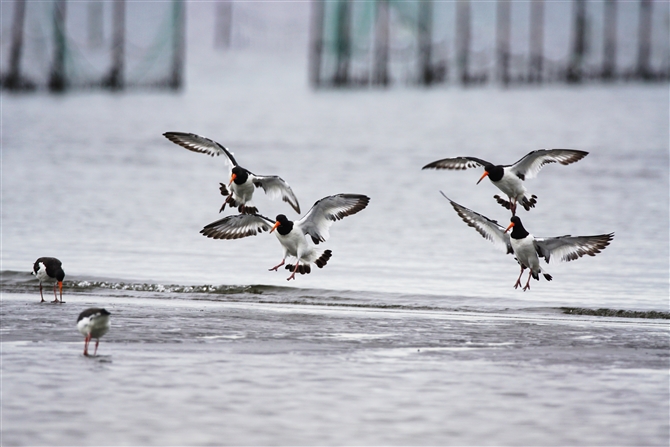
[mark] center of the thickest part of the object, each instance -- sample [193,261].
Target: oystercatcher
[528,249]
[242,181]
[50,269]
[509,178]
[93,323]
[293,235]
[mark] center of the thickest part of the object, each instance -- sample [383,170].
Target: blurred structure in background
[61,44]
[425,42]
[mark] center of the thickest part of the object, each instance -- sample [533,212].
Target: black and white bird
[528,249]
[93,323]
[242,182]
[509,178]
[300,238]
[50,270]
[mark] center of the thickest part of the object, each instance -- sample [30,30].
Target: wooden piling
[115,80]
[316,42]
[609,39]
[178,44]
[425,37]
[536,44]
[57,77]
[343,43]
[643,70]
[13,80]
[503,34]
[575,70]
[463,32]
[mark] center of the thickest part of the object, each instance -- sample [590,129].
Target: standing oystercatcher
[293,235]
[242,181]
[528,249]
[509,178]
[49,269]
[93,323]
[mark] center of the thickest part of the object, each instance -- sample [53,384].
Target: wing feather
[324,212]
[568,248]
[457,163]
[530,165]
[196,143]
[237,226]
[275,186]
[489,229]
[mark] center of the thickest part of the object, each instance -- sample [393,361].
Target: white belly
[97,327]
[295,244]
[242,193]
[512,186]
[524,250]
[42,273]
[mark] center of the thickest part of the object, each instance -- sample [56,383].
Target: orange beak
[482,177]
[275,226]
[510,226]
[232,178]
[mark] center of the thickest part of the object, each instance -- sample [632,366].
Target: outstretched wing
[457,163]
[274,186]
[569,248]
[530,165]
[237,226]
[489,229]
[321,216]
[196,143]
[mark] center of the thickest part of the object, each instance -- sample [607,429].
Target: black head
[282,225]
[494,172]
[239,175]
[518,231]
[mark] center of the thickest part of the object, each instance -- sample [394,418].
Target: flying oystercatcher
[528,249]
[509,178]
[93,323]
[242,181]
[50,269]
[293,235]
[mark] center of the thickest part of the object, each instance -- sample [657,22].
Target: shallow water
[176,371]
[412,334]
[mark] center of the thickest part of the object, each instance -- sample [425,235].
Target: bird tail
[323,260]
[529,203]
[306,268]
[302,268]
[546,275]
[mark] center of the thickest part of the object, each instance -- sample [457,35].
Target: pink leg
[41,293]
[55,295]
[277,266]
[518,280]
[88,338]
[97,342]
[513,206]
[297,264]
[530,275]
